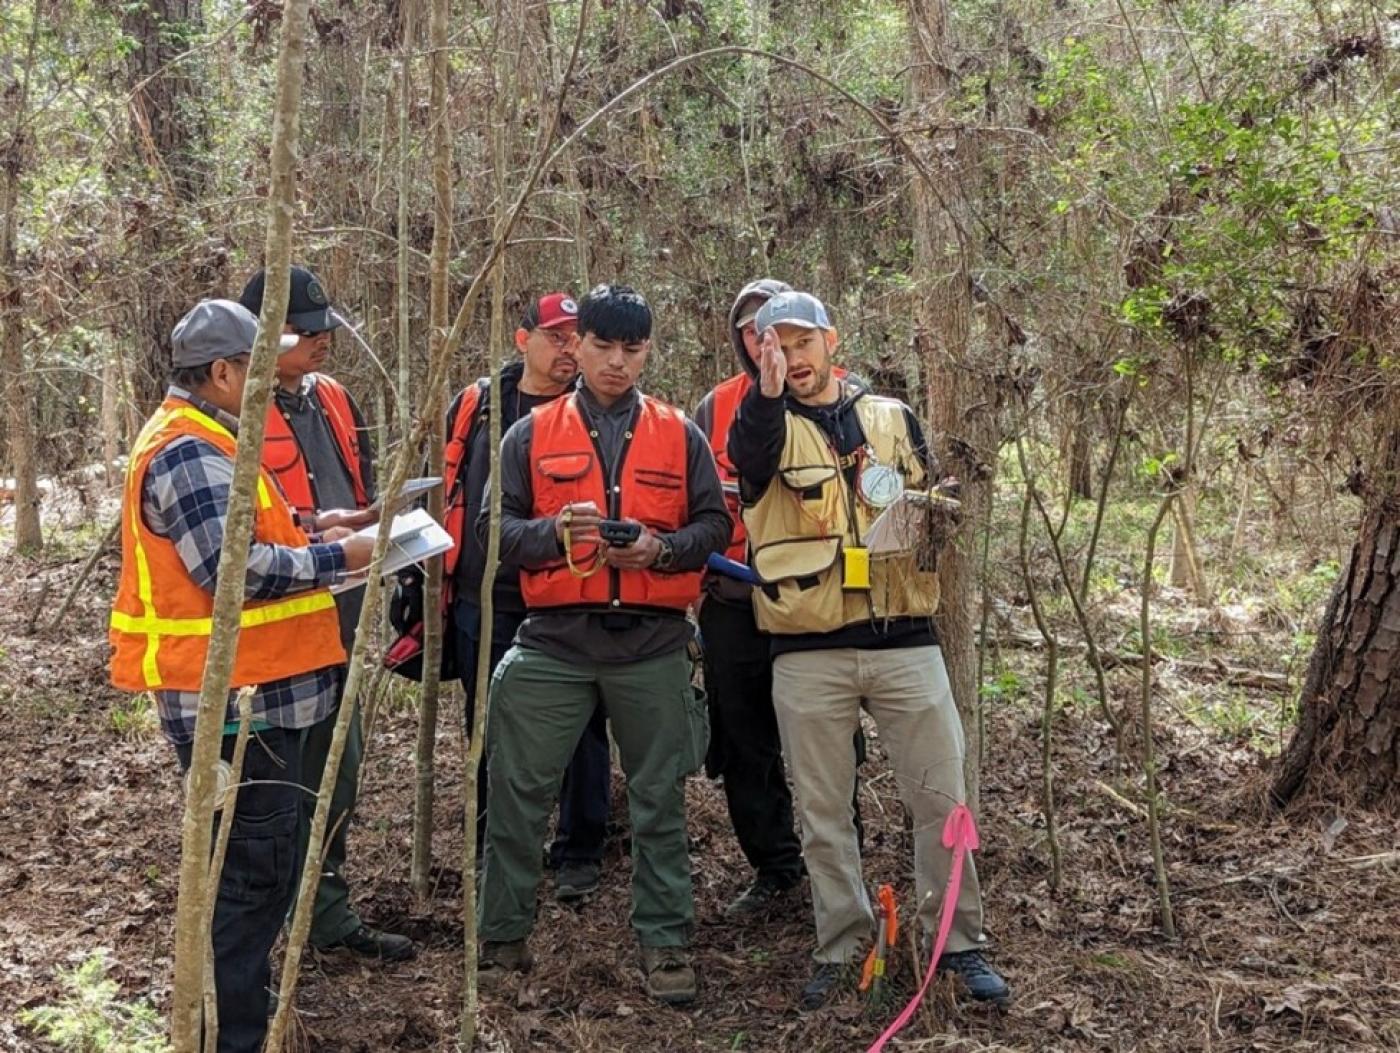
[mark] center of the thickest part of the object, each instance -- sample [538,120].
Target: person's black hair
[190,377]
[615,312]
[531,317]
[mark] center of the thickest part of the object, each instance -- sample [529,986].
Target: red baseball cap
[557,310]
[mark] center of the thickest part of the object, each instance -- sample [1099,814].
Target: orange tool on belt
[872,975]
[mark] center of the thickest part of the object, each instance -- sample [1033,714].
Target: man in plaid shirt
[183,495]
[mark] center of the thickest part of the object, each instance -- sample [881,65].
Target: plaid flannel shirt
[184,498]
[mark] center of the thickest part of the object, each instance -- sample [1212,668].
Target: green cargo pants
[334,918]
[539,707]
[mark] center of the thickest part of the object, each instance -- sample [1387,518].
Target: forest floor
[1287,930]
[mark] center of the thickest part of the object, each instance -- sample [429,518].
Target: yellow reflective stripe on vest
[149,667]
[251,617]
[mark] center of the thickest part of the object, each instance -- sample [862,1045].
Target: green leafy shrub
[90,1018]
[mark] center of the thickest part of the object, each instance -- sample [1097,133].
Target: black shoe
[760,898]
[824,983]
[983,982]
[576,881]
[371,943]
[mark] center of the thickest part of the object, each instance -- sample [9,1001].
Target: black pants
[584,800]
[744,746]
[255,888]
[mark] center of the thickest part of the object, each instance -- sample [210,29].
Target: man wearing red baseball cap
[546,369]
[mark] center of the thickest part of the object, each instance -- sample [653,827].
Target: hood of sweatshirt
[760,292]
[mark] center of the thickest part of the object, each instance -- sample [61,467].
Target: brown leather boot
[498,960]
[668,973]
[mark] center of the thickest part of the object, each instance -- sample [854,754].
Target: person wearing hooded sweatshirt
[818,459]
[745,750]
[547,369]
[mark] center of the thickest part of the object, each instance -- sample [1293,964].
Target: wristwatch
[666,556]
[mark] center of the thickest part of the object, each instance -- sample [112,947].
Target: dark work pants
[744,746]
[585,800]
[255,887]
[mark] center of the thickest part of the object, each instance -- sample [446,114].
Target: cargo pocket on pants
[259,862]
[697,720]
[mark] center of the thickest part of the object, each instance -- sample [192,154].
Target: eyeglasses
[558,338]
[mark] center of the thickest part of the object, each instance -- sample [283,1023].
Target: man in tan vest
[818,459]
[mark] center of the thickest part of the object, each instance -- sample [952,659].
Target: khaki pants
[818,695]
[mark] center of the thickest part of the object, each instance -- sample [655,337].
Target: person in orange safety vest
[610,505]
[318,448]
[174,502]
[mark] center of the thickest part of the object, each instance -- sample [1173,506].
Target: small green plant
[133,716]
[1007,685]
[89,1018]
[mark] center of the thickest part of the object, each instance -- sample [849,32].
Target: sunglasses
[309,332]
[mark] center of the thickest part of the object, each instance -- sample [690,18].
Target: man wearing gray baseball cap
[174,504]
[819,458]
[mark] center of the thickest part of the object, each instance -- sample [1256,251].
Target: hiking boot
[825,982]
[371,943]
[668,973]
[983,982]
[759,899]
[576,881]
[498,960]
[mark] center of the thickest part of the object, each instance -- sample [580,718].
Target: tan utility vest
[809,514]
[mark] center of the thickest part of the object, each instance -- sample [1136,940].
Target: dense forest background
[1138,264]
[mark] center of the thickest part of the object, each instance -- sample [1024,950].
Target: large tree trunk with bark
[963,427]
[19,409]
[168,168]
[1347,744]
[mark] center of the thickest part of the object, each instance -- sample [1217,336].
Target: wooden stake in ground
[191,929]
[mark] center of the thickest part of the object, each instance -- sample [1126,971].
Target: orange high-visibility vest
[723,407]
[649,486]
[161,620]
[283,458]
[454,474]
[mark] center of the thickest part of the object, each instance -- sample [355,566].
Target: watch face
[879,485]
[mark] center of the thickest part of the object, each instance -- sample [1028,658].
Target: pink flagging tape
[959,835]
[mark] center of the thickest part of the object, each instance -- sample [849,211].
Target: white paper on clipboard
[413,537]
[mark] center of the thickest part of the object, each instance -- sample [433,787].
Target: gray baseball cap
[216,329]
[793,308]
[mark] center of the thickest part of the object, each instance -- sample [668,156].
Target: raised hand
[772,366]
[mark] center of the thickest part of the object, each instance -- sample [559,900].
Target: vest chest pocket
[795,559]
[656,497]
[280,453]
[566,473]
[808,481]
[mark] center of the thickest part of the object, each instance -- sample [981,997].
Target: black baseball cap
[308,307]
